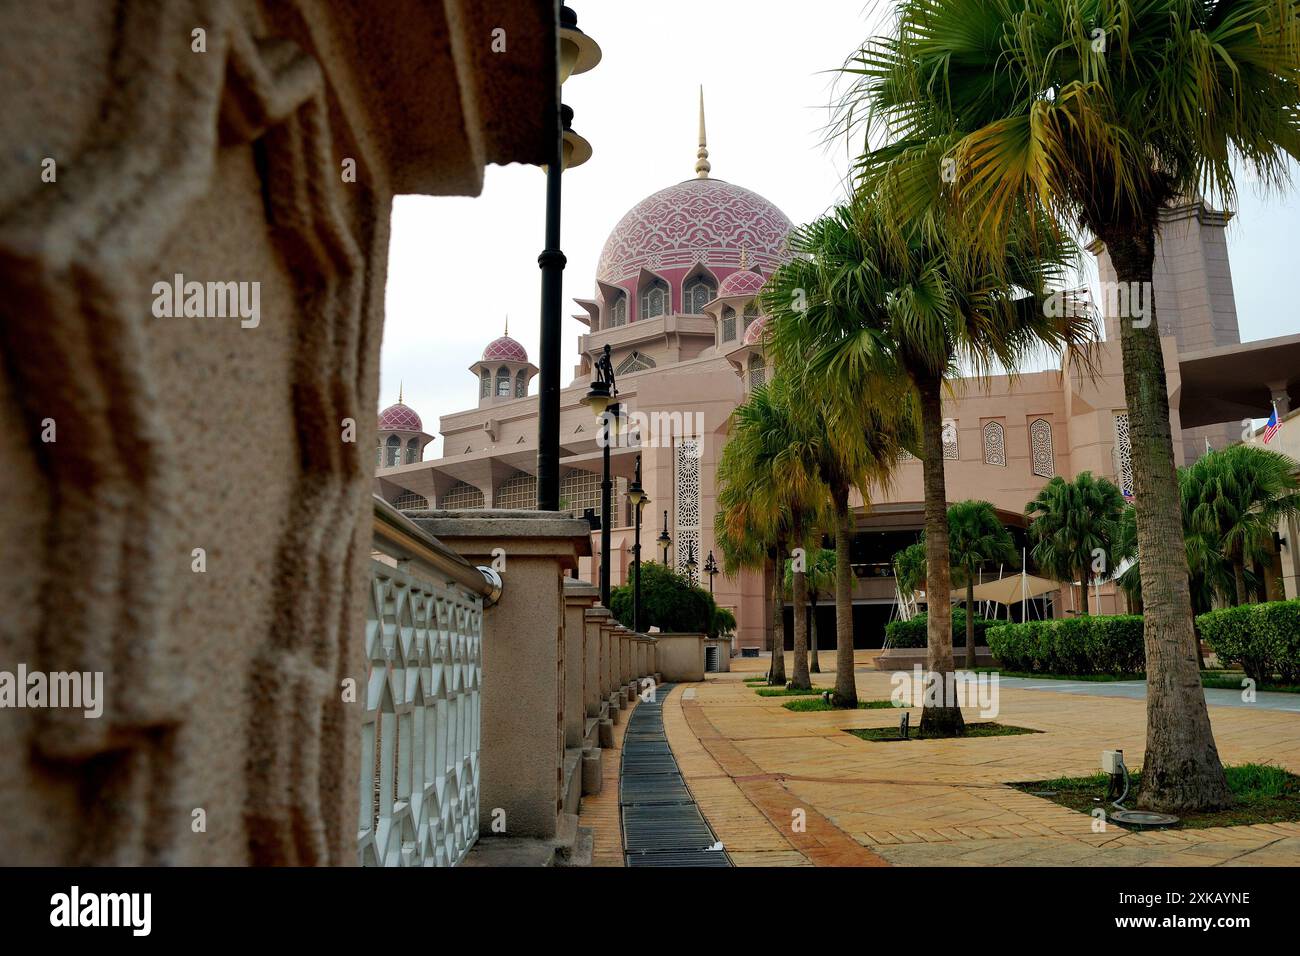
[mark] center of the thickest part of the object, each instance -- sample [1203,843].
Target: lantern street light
[664,540]
[711,569]
[602,399]
[691,564]
[578,54]
[636,494]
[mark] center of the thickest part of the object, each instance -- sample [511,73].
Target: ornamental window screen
[728,323]
[687,538]
[410,501]
[654,300]
[698,293]
[580,490]
[521,384]
[518,492]
[751,313]
[1040,447]
[413,451]
[462,497]
[1124,452]
[485,385]
[503,382]
[950,452]
[636,362]
[757,372]
[393,453]
[618,310]
[995,444]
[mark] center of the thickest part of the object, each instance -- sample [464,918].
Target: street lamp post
[578,54]
[711,569]
[664,540]
[636,494]
[602,400]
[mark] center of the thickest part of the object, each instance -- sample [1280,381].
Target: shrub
[1263,638]
[669,601]
[1083,645]
[912,633]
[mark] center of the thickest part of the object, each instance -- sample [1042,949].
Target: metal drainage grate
[662,826]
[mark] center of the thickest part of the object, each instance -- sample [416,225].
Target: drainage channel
[662,826]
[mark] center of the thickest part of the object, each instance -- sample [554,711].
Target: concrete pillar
[579,596]
[591,675]
[608,657]
[523,725]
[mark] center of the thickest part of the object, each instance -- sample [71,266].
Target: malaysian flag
[1271,426]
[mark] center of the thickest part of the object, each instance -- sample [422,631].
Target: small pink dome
[504,349]
[400,417]
[743,282]
[754,333]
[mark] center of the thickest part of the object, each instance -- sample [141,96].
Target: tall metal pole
[606,517]
[551,262]
[636,564]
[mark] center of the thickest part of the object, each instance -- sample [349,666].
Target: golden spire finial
[400,386]
[507,323]
[702,166]
[744,255]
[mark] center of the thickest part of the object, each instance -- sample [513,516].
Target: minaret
[702,166]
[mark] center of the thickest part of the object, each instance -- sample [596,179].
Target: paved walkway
[599,812]
[1137,690]
[782,788]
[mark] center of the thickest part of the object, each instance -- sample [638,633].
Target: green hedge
[1082,645]
[912,633]
[1263,638]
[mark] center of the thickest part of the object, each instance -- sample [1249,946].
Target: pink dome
[741,283]
[400,417]
[699,220]
[755,331]
[504,349]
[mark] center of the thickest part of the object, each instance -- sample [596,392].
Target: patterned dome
[755,331]
[697,220]
[504,349]
[400,417]
[741,283]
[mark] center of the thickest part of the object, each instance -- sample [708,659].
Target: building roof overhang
[1235,382]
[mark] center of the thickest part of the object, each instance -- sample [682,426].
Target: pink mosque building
[675,298]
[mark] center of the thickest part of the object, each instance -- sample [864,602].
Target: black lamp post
[602,400]
[664,540]
[711,569]
[636,494]
[691,564]
[578,53]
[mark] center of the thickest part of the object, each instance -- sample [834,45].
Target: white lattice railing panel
[420,734]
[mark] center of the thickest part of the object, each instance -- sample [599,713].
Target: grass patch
[1231,680]
[981,729]
[1222,680]
[1263,793]
[809,705]
[789,691]
[1099,678]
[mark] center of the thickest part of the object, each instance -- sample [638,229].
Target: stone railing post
[593,692]
[524,658]
[578,599]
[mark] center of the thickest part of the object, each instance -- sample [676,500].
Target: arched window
[516,492]
[618,310]
[728,323]
[636,362]
[1040,447]
[521,384]
[699,291]
[410,501]
[413,451]
[393,454]
[654,299]
[757,371]
[751,313]
[995,444]
[485,387]
[461,497]
[503,382]
[379,453]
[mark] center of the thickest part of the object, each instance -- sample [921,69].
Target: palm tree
[975,538]
[1075,527]
[769,494]
[1102,113]
[880,312]
[1241,492]
[821,580]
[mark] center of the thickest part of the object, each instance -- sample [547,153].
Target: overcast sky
[458,266]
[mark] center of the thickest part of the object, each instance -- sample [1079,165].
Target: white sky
[458,266]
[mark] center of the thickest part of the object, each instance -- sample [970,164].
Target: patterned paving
[781,788]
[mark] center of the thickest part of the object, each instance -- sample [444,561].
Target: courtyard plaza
[781,788]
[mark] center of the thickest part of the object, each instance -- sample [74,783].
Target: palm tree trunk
[799,598]
[1239,579]
[776,675]
[1083,592]
[1181,769]
[846,688]
[970,622]
[944,717]
[813,664]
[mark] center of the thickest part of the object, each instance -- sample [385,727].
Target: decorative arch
[995,444]
[656,299]
[462,496]
[485,384]
[751,313]
[757,371]
[518,492]
[503,382]
[410,501]
[1040,447]
[698,290]
[728,324]
[636,362]
[521,384]
[413,451]
[392,452]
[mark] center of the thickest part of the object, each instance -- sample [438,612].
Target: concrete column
[579,596]
[592,682]
[608,657]
[523,725]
